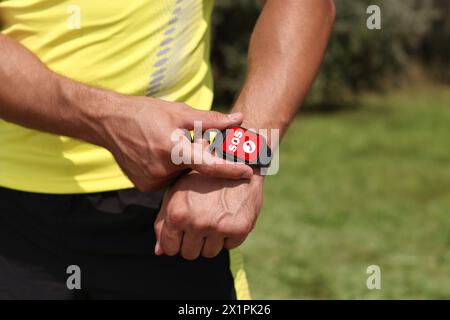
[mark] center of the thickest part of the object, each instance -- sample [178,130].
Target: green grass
[370,185]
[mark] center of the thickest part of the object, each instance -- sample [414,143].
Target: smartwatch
[239,144]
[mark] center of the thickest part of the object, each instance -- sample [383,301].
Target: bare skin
[33,96]
[213,206]
[201,215]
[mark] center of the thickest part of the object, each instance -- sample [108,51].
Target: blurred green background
[365,168]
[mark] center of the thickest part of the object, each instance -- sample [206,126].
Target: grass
[367,186]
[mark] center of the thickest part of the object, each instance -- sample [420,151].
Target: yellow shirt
[158,48]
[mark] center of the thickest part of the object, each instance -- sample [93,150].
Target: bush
[357,58]
[232,24]
[436,47]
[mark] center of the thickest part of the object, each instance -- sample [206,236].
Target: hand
[138,134]
[202,215]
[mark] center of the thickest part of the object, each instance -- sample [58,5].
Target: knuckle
[223,231]
[214,115]
[202,226]
[177,217]
[184,108]
[241,230]
[219,116]
[157,172]
[157,228]
[210,169]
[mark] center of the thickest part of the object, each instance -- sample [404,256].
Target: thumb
[158,227]
[214,166]
[211,119]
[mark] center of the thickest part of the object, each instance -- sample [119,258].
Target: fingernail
[235,117]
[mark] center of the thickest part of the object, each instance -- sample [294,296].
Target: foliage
[368,186]
[357,59]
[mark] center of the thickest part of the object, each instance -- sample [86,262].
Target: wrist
[85,111]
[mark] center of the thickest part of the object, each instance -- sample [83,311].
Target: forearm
[286,50]
[33,96]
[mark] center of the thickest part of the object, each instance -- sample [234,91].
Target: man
[90,94]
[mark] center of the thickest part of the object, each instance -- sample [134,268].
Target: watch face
[242,144]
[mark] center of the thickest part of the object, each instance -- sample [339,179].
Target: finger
[233,171]
[151,184]
[192,245]
[158,227]
[211,165]
[231,243]
[213,245]
[203,161]
[170,239]
[211,119]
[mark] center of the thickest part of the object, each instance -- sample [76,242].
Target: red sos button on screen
[239,144]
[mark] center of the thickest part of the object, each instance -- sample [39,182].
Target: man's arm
[201,215]
[286,50]
[33,96]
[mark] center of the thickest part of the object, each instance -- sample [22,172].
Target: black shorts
[110,237]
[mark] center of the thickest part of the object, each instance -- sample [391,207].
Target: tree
[357,58]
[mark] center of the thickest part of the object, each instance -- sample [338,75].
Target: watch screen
[243,144]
